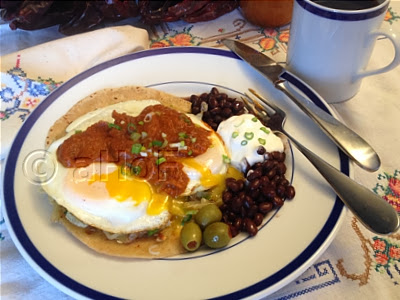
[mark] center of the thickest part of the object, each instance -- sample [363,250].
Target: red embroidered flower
[381,258]
[267,43]
[181,39]
[270,32]
[394,185]
[160,44]
[379,245]
[394,252]
[284,37]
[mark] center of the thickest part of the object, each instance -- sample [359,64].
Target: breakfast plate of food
[145,177]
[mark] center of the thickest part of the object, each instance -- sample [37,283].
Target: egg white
[91,202]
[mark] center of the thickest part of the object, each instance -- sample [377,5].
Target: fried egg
[103,196]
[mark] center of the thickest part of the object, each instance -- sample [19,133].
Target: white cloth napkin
[23,72]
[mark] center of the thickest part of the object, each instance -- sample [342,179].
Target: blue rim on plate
[343,15]
[30,252]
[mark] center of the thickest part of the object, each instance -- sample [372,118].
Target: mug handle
[395,39]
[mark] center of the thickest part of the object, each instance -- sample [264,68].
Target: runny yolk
[208,179]
[123,188]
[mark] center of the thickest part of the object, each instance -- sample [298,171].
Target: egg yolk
[208,179]
[122,188]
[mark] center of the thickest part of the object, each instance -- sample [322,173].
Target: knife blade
[354,146]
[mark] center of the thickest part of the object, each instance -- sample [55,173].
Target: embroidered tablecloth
[358,264]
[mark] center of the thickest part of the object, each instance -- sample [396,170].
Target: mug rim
[344,15]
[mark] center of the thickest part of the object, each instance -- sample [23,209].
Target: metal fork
[374,213]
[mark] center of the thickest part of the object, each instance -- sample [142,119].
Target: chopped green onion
[193,140]
[141,123]
[226,159]
[136,170]
[190,152]
[152,232]
[182,144]
[235,134]
[254,119]
[157,143]
[262,141]
[135,136]
[131,127]
[78,131]
[160,160]
[163,135]
[111,125]
[182,135]
[136,148]
[125,169]
[243,143]
[248,135]
[265,130]
[184,118]
[144,134]
[186,218]
[143,149]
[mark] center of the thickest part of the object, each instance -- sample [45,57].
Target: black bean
[268,165]
[254,174]
[248,202]
[281,168]
[265,207]
[214,126]
[233,186]
[277,201]
[283,182]
[227,197]
[234,230]
[237,203]
[251,227]
[214,91]
[215,111]
[255,184]
[261,150]
[281,190]
[238,223]
[195,110]
[226,112]
[252,211]
[258,219]
[237,106]
[290,192]
[212,102]
[271,173]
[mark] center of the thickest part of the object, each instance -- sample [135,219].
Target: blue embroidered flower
[37,89]
[6,94]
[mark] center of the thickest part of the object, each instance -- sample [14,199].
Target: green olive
[191,236]
[207,215]
[217,235]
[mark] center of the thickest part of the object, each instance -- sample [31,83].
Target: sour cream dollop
[243,135]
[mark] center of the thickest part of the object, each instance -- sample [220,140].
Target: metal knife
[354,146]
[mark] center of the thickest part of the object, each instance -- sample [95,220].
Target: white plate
[292,239]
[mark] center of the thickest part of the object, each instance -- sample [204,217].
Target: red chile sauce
[128,140]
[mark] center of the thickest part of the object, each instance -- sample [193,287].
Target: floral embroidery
[275,38]
[20,95]
[386,256]
[389,188]
[183,38]
[381,252]
[391,16]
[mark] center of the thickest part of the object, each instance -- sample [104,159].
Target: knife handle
[354,146]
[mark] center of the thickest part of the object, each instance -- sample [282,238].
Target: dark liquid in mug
[349,4]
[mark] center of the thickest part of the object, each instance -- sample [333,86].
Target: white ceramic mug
[330,48]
